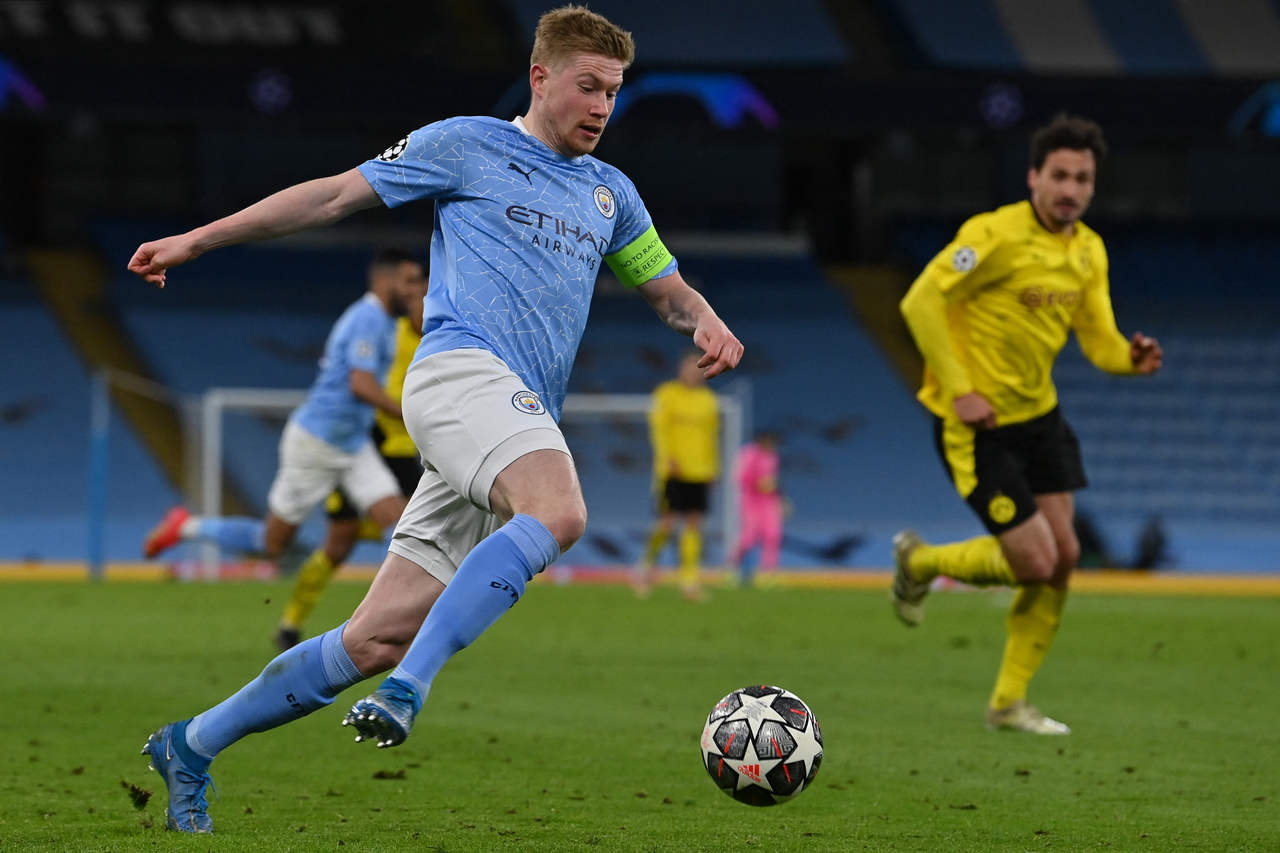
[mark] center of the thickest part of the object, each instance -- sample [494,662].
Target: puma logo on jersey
[513,167]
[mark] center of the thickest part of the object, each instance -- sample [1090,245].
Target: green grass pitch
[573,725]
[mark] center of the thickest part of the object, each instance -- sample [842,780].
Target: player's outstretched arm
[319,202]
[683,309]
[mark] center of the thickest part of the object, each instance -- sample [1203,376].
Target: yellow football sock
[313,576]
[690,555]
[657,541]
[1032,623]
[978,561]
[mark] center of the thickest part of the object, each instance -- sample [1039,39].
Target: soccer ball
[762,745]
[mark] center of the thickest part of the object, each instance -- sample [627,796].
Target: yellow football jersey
[992,310]
[397,441]
[684,425]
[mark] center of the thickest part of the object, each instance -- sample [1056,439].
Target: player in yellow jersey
[346,527]
[684,427]
[990,314]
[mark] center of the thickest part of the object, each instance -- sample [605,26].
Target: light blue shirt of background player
[363,338]
[520,234]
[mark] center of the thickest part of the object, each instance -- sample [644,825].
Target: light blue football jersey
[520,234]
[362,339]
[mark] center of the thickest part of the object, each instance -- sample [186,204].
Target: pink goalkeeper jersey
[756,465]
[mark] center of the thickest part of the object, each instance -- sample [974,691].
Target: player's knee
[1035,567]
[566,523]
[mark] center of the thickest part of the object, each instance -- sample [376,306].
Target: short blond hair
[573,30]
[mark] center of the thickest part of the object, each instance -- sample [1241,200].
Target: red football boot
[166,534]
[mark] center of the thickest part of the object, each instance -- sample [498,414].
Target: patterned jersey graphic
[520,235]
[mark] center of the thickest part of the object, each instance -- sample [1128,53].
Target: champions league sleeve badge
[394,152]
[965,259]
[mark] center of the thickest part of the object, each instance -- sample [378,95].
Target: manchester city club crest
[604,201]
[528,402]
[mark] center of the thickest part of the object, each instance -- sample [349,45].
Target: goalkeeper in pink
[760,505]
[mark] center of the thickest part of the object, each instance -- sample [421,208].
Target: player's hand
[721,351]
[151,260]
[974,410]
[1145,353]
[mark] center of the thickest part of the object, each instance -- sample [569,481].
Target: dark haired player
[990,314]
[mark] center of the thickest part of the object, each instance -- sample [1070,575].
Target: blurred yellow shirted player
[990,314]
[684,428]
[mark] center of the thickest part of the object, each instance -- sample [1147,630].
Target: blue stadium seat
[44,447]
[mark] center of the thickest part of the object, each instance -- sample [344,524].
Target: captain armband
[639,260]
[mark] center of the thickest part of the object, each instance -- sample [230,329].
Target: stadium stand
[1107,37]
[716,38]
[1189,449]
[44,446]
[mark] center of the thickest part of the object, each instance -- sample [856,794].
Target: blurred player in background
[760,508]
[684,429]
[346,526]
[990,314]
[326,440]
[524,218]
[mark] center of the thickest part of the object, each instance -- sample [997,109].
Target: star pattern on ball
[756,710]
[761,745]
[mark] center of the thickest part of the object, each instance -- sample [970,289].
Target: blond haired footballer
[524,219]
[990,314]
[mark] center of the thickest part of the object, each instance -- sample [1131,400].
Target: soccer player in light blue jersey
[326,441]
[524,218]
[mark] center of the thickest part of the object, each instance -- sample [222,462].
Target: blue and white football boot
[188,810]
[386,715]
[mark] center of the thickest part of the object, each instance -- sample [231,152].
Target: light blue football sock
[303,679]
[488,583]
[245,535]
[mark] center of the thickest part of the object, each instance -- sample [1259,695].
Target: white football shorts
[311,468]
[470,417]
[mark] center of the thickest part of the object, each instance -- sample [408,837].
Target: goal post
[579,409]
